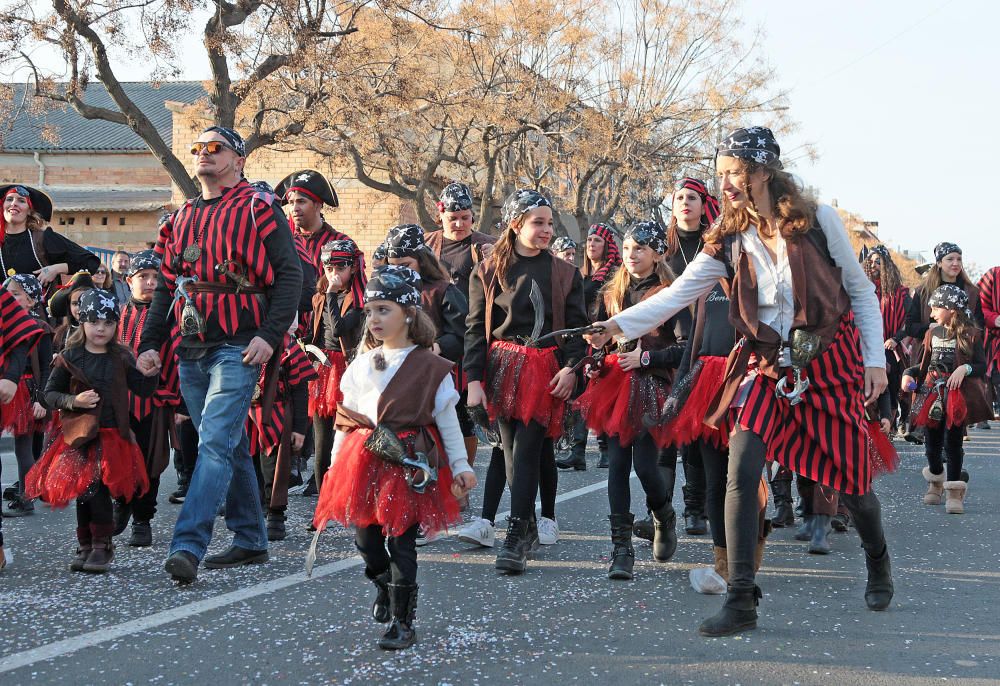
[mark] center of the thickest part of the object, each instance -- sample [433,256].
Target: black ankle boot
[738,613]
[805,530]
[879,590]
[664,533]
[695,524]
[142,535]
[400,634]
[643,528]
[818,542]
[513,555]
[623,554]
[784,513]
[276,530]
[380,608]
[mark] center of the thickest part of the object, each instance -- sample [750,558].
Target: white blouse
[362,386]
[774,289]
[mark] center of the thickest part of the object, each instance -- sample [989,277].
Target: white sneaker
[548,531]
[706,580]
[478,532]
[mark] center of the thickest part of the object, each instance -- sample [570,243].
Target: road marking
[114,632]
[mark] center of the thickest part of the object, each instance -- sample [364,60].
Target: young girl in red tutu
[948,401]
[398,386]
[520,292]
[91,377]
[337,326]
[630,388]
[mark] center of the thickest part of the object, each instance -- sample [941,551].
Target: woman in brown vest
[797,379]
[397,386]
[519,293]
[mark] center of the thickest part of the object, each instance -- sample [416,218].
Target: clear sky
[900,100]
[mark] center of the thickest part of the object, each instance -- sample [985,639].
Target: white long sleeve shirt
[775,297]
[362,386]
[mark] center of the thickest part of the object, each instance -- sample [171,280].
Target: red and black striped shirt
[19,333]
[168,393]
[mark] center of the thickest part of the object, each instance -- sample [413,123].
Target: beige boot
[935,487]
[722,563]
[955,494]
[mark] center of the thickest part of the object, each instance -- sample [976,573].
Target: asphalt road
[562,622]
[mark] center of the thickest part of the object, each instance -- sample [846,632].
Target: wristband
[968,370]
[644,358]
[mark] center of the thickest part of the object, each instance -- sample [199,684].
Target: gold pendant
[191,253]
[11,272]
[257,393]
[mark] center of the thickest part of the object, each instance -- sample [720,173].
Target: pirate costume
[944,413]
[620,403]
[93,456]
[918,314]
[458,257]
[399,404]
[792,328]
[60,308]
[989,299]
[17,416]
[538,295]
[313,185]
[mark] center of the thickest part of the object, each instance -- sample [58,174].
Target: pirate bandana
[144,259]
[709,203]
[755,144]
[381,253]
[563,243]
[882,252]
[612,257]
[31,286]
[262,187]
[346,251]
[950,297]
[404,240]
[396,283]
[520,202]
[98,305]
[234,139]
[648,233]
[942,250]
[455,197]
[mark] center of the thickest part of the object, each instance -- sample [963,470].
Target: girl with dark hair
[395,392]
[947,269]
[64,306]
[631,386]
[93,457]
[522,292]
[952,392]
[894,301]
[798,379]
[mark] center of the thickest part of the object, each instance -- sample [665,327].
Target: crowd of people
[746,337]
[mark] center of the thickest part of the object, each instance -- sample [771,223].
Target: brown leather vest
[435,239]
[973,388]
[562,282]
[431,299]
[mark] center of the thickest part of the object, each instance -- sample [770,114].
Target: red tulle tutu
[619,403]
[64,473]
[324,392]
[881,452]
[955,410]
[517,386]
[16,417]
[690,426]
[361,489]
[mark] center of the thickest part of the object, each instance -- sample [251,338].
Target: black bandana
[144,259]
[381,253]
[396,283]
[563,243]
[455,197]
[648,233]
[262,187]
[942,250]
[404,240]
[756,144]
[97,305]
[520,202]
[950,297]
[234,139]
[31,286]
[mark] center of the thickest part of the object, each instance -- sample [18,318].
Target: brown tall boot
[102,550]
[82,549]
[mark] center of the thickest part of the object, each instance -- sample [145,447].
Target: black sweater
[718,336]
[19,255]
[918,314]
[454,312]
[667,357]
[690,243]
[336,327]
[513,314]
[99,368]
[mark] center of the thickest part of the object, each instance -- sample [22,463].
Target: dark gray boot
[818,542]
[664,532]
[380,608]
[400,634]
[623,554]
[738,613]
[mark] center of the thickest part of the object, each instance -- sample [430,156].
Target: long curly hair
[793,211]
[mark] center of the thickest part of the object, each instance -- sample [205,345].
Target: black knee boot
[623,554]
[738,613]
[380,608]
[867,515]
[400,634]
[878,590]
[784,513]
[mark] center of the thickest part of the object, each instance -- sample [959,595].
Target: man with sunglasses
[230,278]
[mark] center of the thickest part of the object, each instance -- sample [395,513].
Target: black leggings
[323,433]
[401,556]
[25,453]
[938,439]
[716,464]
[144,506]
[496,479]
[643,456]
[187,451]
[95,509]
[747,454]
[528,455]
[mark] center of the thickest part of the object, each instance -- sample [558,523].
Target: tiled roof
[76,199]
[77,134]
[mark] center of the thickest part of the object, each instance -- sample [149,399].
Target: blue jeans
[217,390]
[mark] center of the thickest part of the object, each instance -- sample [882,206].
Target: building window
[71,221]
[87,221]
[121,221]
[104,221]
[62,221]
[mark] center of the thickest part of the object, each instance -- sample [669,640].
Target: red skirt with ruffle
[16,417]
[881,451]
[517,386]
[621,403]
[324,392]
[690,426]
[361,489]
[64,473]
[955,410]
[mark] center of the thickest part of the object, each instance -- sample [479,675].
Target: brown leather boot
[82,550]
[102,550]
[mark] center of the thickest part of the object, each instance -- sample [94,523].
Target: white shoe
[548,531]
[706,580]
[478,532]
